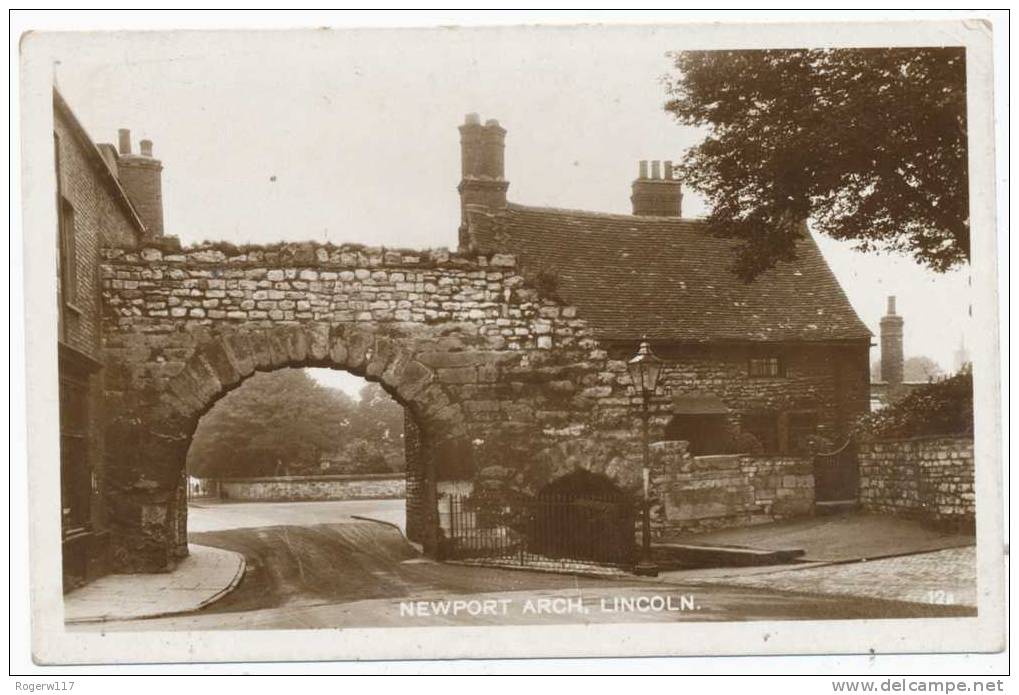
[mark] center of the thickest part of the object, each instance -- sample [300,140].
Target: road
[353,573]
[212,515]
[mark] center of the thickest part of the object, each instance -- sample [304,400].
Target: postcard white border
[51,643]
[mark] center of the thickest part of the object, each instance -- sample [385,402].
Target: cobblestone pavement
[941,577]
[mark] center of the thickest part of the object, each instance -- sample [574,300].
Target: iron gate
[837,474]
[589,529]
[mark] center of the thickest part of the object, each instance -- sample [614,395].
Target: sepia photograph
[671,338]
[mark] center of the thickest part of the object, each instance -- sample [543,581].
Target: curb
[417,546]
[242,566]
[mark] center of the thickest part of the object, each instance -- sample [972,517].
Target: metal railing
[584,529]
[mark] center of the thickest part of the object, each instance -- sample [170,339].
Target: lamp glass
[645,368]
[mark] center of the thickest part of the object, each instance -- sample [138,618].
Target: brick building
[780,358]
[94,211]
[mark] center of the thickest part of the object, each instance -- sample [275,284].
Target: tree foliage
[917,368]
[286,423]
[943,407]
[867,144]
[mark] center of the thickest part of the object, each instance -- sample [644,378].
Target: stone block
[458,375]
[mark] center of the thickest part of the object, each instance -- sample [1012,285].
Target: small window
[765,367]
[68,254]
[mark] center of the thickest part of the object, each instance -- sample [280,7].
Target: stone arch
[599,456]
[222,363]
[162,421]
[584,514]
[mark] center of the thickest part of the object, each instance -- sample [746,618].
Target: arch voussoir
[382,352]
[318,341]
[237,347]
[207,384]
[359,346]
[218,358]
[279,350]
[413,378]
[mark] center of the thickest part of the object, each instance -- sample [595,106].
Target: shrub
[943,407]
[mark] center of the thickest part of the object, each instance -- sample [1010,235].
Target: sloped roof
[668,279]
[63,110]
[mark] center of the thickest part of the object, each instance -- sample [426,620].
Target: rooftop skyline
[351,136]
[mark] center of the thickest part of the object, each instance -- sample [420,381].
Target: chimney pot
[141,178]
[891,306]
[654,196]
[491,122]
[472,119]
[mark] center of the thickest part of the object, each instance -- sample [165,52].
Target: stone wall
[463,343]
[928,478]
[831,382]
[506,386]
[305,488]
[701,493]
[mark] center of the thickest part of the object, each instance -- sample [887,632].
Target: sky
[351,136]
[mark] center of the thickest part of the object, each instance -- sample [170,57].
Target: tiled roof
[668,279]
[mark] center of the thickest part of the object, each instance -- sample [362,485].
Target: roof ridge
[593,213]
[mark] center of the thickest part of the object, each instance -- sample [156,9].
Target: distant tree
[868,144]
[921,368]
[273,424]
[918,368]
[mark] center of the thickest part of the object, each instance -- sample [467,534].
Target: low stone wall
[709,492]
[326,487]
[928,478]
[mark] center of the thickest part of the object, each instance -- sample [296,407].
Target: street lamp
[645,368]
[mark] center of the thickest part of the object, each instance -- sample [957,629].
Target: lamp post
[645,368]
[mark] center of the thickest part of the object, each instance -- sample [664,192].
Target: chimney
[891,346]
[141,176]
[482,162]
[657,195]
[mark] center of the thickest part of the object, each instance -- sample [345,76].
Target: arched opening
[295,435]
[164,428]
[294,469]
[583,516]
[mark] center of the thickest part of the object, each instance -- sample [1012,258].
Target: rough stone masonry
[463,342]
[929,478]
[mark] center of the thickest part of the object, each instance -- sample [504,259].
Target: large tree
[286,423]
[869,145]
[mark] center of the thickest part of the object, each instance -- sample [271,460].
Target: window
[68,255]
[765,367]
